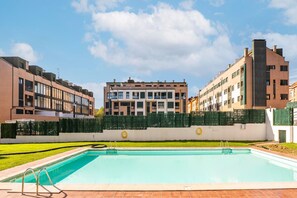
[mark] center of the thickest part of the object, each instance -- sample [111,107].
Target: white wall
[238,132]
[273,131]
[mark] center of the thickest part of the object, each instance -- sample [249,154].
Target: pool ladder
[37,178]
[112,150]
[224,144]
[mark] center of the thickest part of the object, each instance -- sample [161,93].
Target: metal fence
[283,117]
[80,125]
[37,128]
[132,122]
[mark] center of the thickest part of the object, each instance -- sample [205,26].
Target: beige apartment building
[28,92]
[142,98]
[257,80]
[293,92]
[193,104]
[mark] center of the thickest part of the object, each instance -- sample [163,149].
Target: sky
[90,42]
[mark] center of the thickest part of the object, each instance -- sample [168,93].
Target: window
[21,92]
[139,104]
[176,96]
[150,95]
[238,85]
[169,95]
[238,98]
[163,95]
[28,101]
[85,102]
[142,95]
[140,113]
[225,91]
[68,97]
[232,100]
[270,67]
[177,105]
[283,82]
[170,105]
[284,96]
[135,95]
[127,95]
[267,96]
[28,85]
[56,93]
[120,95]
[284,68]
[116,105]
[157,95]
[19,111]
[161,105]
[232,87]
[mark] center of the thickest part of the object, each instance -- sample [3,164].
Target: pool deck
[273,189]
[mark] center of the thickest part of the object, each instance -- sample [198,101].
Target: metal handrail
[226,144]
[38,175]
[23,179]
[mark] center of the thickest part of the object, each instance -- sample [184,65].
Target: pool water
[168,167]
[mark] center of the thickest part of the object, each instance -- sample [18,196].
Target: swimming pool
[172,167]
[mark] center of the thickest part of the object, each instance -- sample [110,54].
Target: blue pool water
[167,167]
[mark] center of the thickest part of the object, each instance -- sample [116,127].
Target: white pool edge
[152,187]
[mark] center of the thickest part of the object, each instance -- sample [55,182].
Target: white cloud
[97,89]
[94,5]
[284,41]
[217,3]
[167,39]
[24,50]
[187,4]
[289,7]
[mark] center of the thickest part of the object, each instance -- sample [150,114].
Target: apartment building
[28,92]
[141,98]
[257,80]
[293,92]
[193,104]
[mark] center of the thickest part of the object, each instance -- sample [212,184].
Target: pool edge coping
[144,187]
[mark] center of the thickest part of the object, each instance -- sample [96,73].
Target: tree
[100,113]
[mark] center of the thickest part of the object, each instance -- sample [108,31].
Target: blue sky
[91,42]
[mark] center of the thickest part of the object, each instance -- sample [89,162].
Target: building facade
[27,92]
[141,98]
[293,92]
[257,80]
[193,104]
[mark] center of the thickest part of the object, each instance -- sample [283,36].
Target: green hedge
[283,117]
[8,130]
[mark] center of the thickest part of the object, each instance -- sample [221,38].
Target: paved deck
[288,193]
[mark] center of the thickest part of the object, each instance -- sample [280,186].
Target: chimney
[229,65]
[114,80]
[274,48]
[245,52]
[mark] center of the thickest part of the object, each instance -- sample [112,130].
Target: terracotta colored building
[27,92]
[193,104]
[141,98]
[257,80]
